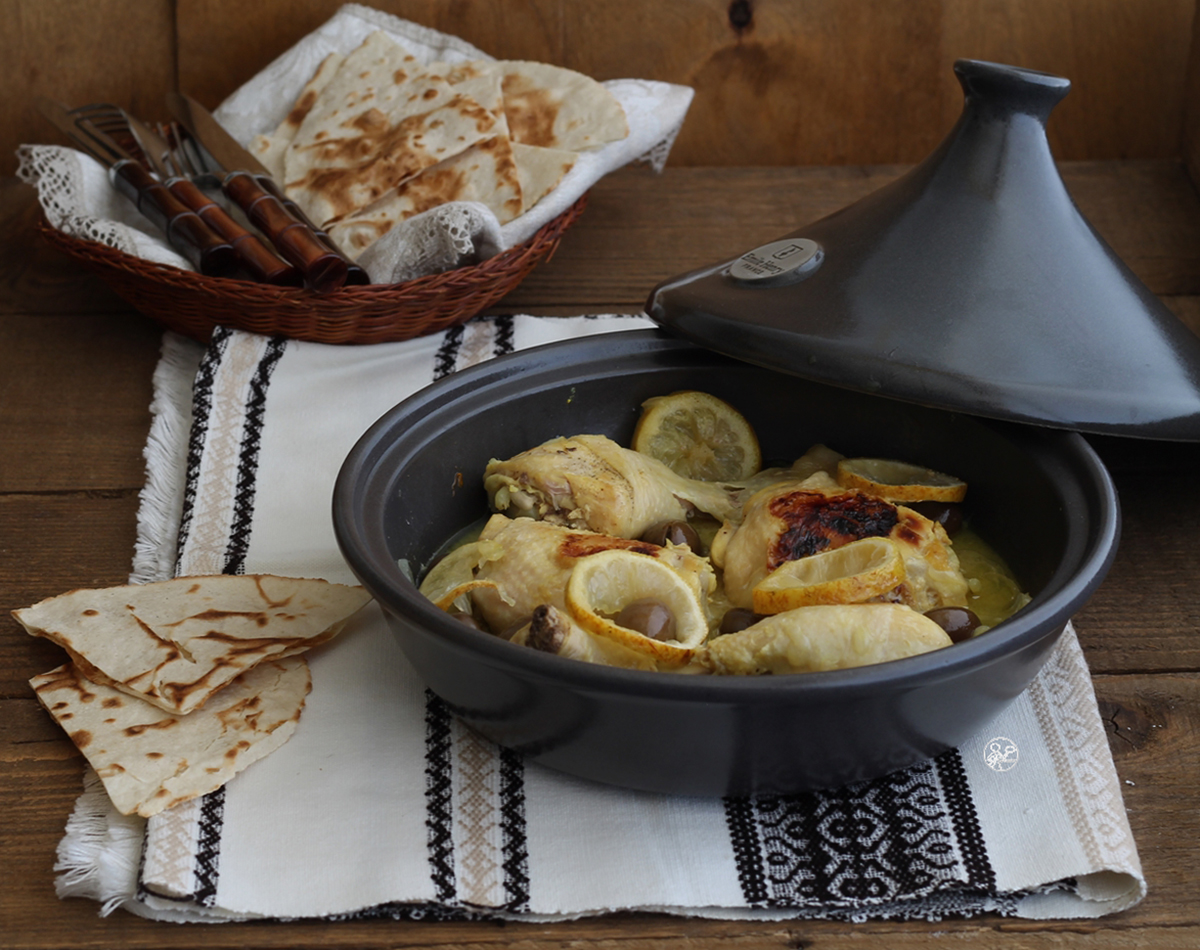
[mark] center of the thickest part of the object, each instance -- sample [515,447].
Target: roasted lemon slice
[603,586]
[899,481]
[850,574]
[698,436]
[454,575]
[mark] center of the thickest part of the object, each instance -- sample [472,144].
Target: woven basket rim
[106,255]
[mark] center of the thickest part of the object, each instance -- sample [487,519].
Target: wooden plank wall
[777,82]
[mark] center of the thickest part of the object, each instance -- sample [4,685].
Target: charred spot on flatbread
[486,173]
[377,122]
[553,107]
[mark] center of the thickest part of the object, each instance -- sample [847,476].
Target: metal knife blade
[184,229]
[251,186]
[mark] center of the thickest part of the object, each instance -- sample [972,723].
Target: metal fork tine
[170,159]
[188,156]
[178,156]
[113,122]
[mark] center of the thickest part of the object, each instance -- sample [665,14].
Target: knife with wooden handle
[259,261]
[244,179]
[210,254]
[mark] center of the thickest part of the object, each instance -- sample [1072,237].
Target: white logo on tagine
[1000,754]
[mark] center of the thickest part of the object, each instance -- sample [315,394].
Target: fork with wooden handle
[184,229]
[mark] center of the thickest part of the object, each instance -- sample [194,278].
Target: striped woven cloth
[382,804]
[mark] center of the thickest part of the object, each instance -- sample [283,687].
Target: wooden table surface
[75,372]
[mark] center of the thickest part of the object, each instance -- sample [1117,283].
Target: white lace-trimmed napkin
[381,804]
[74,192]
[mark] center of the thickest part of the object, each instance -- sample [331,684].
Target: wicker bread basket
[193,305]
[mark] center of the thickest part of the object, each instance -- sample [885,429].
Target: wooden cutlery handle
[324,269]
[355,275]
[259,261]
[209,253]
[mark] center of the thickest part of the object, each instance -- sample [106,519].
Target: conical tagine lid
[971,283]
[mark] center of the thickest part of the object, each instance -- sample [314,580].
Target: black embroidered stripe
[747,855]
[438,798]
[416,911]
[201,411]
[505,335]
[957,791]
[447,354]
[884,842]
[243,508]
[515,845]
[208,847]
[204,872]
[212,809]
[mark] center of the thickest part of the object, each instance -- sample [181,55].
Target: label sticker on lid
[792,256]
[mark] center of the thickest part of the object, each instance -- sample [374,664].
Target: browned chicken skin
[791,520]
[815,521]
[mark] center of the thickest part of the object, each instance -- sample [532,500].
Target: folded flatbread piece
[485,173]
[379,121]
[269,149]
[480,79]
[507,177]
[149,759]
[176,643]
[540,170]
[559,108]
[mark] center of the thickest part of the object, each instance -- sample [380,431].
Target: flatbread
[540,170]
[378,122]
[269,149]
[485,173]
[559,108]
[479,79]
[149,759]
[176,643]
[376,137]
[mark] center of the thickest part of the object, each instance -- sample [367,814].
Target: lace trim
[57,175]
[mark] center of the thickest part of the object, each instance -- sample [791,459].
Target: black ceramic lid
[971,283]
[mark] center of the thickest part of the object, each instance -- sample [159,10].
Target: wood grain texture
[63,378]
[80,51]
[1147,606]
[637,231]
[1191,106]
[55,542]
[797,83]
[778,82]
[32,275]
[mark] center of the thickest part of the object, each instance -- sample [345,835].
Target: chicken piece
[591,482]
[819,463]
[827,637]
[536,559]
[791,520]
[552,630]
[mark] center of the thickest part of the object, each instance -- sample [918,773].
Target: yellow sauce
[995,594]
